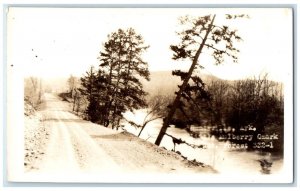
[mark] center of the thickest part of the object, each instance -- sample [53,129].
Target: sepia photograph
[149,95]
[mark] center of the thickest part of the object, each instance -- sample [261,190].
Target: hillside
[163,82]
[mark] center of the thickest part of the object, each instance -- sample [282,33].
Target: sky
[59,42]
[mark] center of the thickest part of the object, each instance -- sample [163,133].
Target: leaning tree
[201,34]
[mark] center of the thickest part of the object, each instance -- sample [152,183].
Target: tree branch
[210,46]
[180,141]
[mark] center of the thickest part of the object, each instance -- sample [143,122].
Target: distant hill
[163,82]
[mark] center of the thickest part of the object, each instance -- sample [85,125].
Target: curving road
[75,149]
[70,149]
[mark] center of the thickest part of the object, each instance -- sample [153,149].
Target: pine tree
[193,103]
[201,34]
[122,66]
[90,90]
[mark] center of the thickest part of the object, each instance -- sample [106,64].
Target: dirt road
[64,144]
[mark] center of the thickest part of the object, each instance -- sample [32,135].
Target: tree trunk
[174,106]
[143,127]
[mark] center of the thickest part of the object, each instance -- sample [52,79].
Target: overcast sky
[59,42]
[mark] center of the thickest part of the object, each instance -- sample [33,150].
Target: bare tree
[157,109]
[72,83]
[74,93]
[219,90]
[33,91]
[254,101]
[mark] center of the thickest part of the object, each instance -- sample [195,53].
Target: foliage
[116,87]
[200,34]
[193,104]
[89,90]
